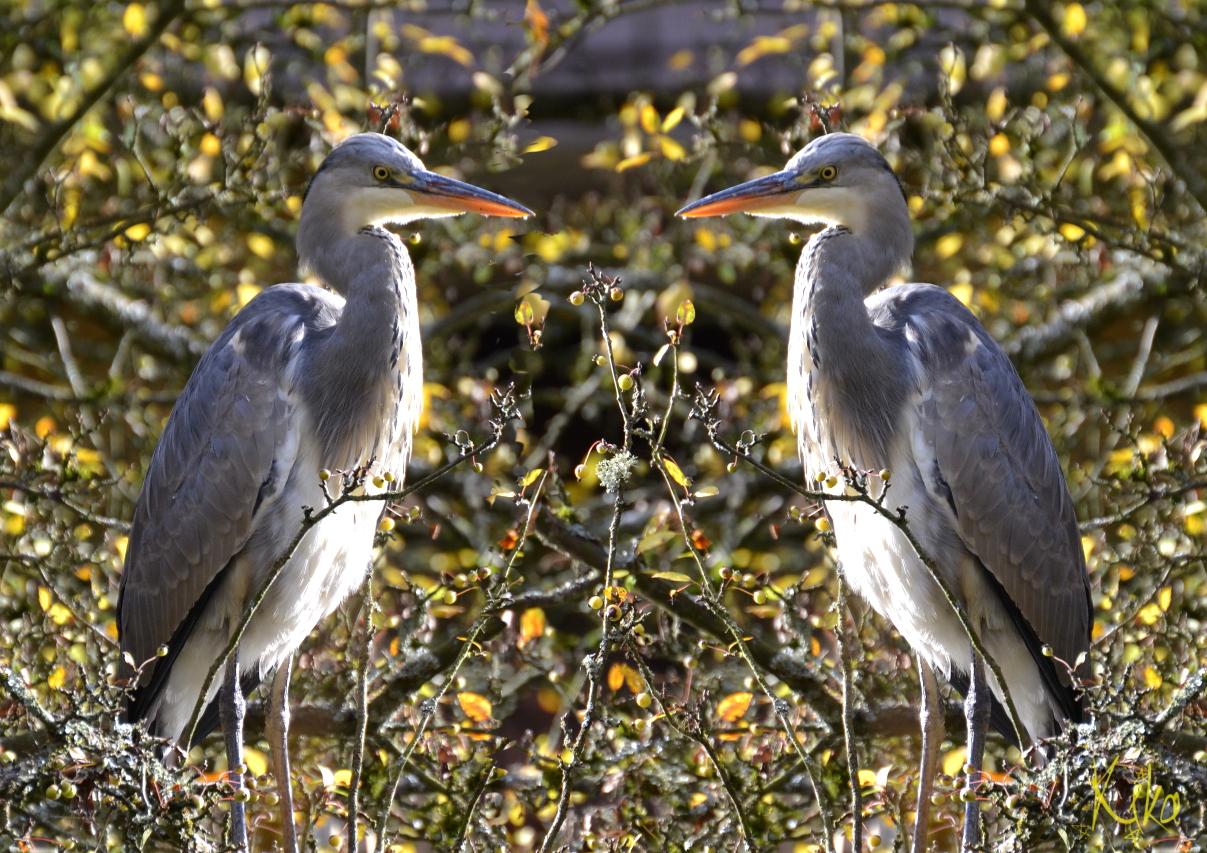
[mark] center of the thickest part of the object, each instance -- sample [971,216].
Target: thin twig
[367,608]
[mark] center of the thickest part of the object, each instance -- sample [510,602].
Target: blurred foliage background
[154,158]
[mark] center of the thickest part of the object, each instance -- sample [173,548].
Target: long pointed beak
[768,191]
[439,191]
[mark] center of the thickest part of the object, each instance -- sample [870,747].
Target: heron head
[837,179]
[370,179]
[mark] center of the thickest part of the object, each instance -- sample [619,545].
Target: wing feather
[1012,504]
[203,492]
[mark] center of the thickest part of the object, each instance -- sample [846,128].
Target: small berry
[760,597]
[324,475]
[822,524]
[873,841]
[725,572]
[616,294]
[601,360]
[386,524]
[625,382]
[612,614]
[886,474]
[271,799]
[831,482]
[477,467]
[1047,651]
[450,597]
[936,799]
[162,651]
[69,790]
[461,580]
[731,467]
[53,792]
[389,477]
[579,470]
[577,298]
[644,700]
[379,482]
[595,602]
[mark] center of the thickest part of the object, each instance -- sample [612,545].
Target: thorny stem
[471,642]
[309,522]
[731,790]
[848,720]
[367,608]
[897,520]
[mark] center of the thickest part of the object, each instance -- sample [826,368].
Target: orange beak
[437,190]
[768,191]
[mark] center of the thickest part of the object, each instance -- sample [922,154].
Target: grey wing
[1003,477]
[228,442]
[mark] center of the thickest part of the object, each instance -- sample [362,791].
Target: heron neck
[369,371]
[840,362]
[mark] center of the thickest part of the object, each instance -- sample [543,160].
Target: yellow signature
[1149,802]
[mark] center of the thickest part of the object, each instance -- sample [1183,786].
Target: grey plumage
[300,380]
[909,380]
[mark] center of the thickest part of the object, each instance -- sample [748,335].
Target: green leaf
[677,577]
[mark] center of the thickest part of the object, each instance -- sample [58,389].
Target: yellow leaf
[447,46]
[697,799]
[245,293]
[733,706]
[523,314]
[257,763]
[1075,19]
[1152,678]
[706,492]
[948,245]
[1165,597]
[649,119]
[762,46]
[138,232]
[7,412]
[475,706]
[56,678]
[1150,614]
[44,597]
[261,245]
[615,676]
[999,145]
[962,292]
[59,614]
[867,779]
[1071,232]
[532,625]
[135,19]
[531,476]
[633,679]
[630,162]
[686,313]
[677,577]
[672,118]
[543,143]
[341,778]
[953,762]
[676,472]
[671,149]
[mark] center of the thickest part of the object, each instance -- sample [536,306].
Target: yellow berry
[379,482]
[822,524]
[644,700]
[324,475]
[625,382]
[595,602]
[616,294]
[386,524]
[576,298]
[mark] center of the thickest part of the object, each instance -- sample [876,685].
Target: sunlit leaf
[532,625]
[631,162]
[257,762]
[523,314]
[671,149]
[542,143]
[532,476]
[706,492]
[57,678]
[676,472]
[476,706]
[134,19]
[677,577]
[733,706]
[615,676]
[1152,678]
[672,119]
[686,313]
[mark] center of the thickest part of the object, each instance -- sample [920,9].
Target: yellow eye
[381,173]
[827,173]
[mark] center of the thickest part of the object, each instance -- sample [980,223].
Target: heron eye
[381,173]
[827,173]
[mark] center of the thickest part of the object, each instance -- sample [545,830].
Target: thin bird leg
[231,707]
[277,729]
[977,705]
[932,739]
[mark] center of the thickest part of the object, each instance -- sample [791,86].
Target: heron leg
[977,705]
[932,739]
[277,726]
[231,707]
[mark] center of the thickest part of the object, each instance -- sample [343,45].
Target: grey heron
[905,378]
[302,379]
